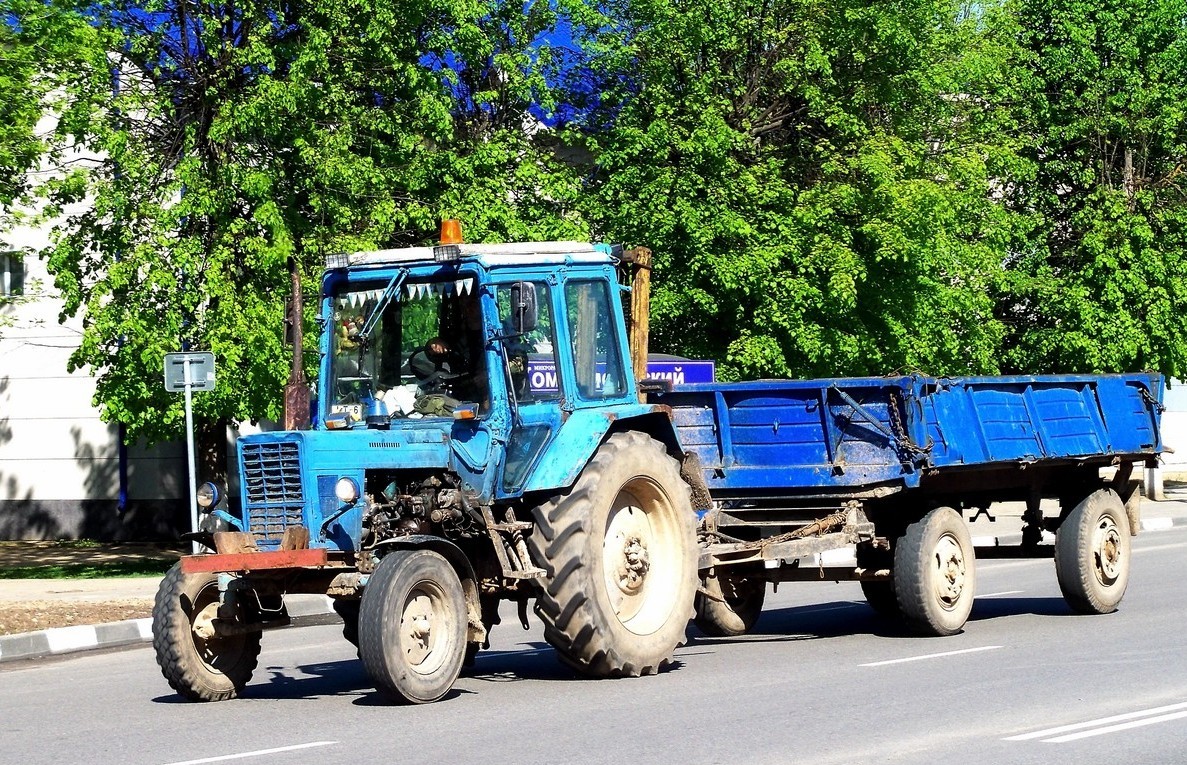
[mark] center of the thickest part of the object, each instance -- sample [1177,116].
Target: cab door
[532,378]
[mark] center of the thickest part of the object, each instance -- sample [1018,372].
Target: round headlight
[208,495]
[346,490]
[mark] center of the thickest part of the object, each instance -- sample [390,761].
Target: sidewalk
[304,609]
[118,595]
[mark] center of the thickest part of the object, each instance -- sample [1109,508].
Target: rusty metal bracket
[254,561]
[512,550]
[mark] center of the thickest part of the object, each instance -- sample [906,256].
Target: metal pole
[189,447]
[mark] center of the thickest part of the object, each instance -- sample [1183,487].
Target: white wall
[1174,431]
[59,463]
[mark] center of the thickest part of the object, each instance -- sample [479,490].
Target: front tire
[935,574]
[196,662]
[621,555]
[412,626]
[1092,550]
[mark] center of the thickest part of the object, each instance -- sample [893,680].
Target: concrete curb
[303,609]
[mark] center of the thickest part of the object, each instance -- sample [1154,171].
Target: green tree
[38,51]
[1101,284]
[816,179]
[236,136]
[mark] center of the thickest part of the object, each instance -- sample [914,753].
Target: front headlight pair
[210,495]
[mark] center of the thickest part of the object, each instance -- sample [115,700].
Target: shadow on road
[847,617]
[812,622]
[995,608]
[538,661]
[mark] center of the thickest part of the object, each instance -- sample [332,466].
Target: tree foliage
[1100,283]
[830,188]
[816,177]
[235,136]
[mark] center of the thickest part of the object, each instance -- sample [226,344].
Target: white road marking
[1111,724]
[256,753]
[524,652]
[1115,728]
[821,609]
[930,656]
[1174,546]
[999,594]
[1157,524]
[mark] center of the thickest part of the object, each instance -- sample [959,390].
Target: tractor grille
[272,488]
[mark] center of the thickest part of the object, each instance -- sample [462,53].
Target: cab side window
[531,356]
[599,370]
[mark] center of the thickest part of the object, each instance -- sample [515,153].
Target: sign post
[189,372]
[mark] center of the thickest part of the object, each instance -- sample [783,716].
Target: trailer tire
[935,573]
[412,626]
[879,593]
[737,611]
[349,611]
[620,553]
[197,664]
[880,596]
[1092,551]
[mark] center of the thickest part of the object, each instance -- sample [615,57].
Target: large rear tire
[412,626]
[621,555]
[1092,550]
[196,662]
[732,606]
[935,574]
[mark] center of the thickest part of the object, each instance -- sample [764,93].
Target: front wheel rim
[423,629]
[217,652]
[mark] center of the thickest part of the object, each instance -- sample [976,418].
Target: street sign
[188,372]
[201,376]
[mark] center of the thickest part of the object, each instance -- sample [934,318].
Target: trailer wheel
[879,593]
[621,555]
[935,573]
[412,626]
[199,664]
[1092,548]
[349,611]
[732,606]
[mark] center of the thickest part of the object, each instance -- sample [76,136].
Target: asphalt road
[822,680]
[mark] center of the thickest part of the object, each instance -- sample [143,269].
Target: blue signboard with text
[542,374]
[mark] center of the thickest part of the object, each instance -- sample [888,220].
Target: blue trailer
[437,481]
[794,468]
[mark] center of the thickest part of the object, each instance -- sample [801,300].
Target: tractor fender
[585,430]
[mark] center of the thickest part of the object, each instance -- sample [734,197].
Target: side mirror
[524,312]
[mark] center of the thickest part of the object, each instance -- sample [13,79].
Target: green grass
[77,544]
[133,567]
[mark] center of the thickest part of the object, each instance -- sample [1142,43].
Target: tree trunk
[211,451]
[1130,185]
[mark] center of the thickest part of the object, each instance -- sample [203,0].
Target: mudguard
[574,445]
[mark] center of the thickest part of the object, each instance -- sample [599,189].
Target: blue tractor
[480,436]
[440,478]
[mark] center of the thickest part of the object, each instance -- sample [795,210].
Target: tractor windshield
[422,356]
